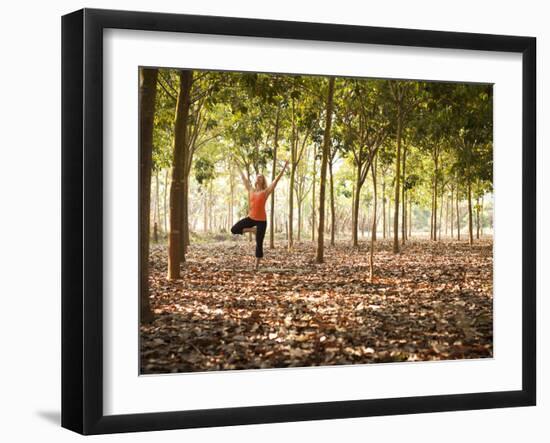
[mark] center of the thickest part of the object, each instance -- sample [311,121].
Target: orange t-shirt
[257,206]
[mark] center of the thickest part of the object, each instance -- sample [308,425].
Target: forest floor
[434,301]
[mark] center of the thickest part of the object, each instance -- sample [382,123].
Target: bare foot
[257,264]
[251,230]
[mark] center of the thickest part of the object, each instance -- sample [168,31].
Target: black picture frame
[82,219]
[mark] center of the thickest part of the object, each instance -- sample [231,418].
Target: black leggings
[261,226]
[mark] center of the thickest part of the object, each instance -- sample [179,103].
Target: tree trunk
[156,210]
[389,215]
[440,215]
[184,216]
[147,98]
[432,213]
[186,213]
[332,210]
[210,206]
[157,199]
[286,228]
[322,185]
[291,206]
[205,215]
[176,195]
[374,169]
[404,202]
[231,199]
[446,216]
[293,164]
[355,219]
[435,200]
[410,218]
[352,219]
[452,212]
[477,218]
[164,201]
[313,196]
[273,176]
[470,215]
[404,219]
[457,214]
[373,230]
[482,215]
[397,184]
[189,149]
[383,206]
[299,220]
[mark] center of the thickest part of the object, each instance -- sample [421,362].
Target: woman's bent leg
[242,224]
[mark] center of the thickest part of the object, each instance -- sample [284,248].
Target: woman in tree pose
[257,219]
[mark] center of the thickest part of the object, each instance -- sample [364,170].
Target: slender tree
[384,207]
[401,93]
[403,199]
[451,198]
[410,218]
[473,142]
[303,120]
[147,98]
[332,207]
[175,251]
[366,126]
[457,214]
[324,160]
[157,207]
[313,201]
[373,229]
[164,198]
[470,214]
[273,175]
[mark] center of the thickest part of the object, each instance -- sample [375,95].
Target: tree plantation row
[390,158]
[213,210]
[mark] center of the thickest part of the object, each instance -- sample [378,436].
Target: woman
[257,218]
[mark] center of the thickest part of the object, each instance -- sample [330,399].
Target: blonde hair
[263,185]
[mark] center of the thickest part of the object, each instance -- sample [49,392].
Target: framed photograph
[269,221]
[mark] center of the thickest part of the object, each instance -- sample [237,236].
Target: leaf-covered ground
[431,302]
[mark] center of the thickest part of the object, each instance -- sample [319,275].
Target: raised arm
[246,183]
[271,187]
